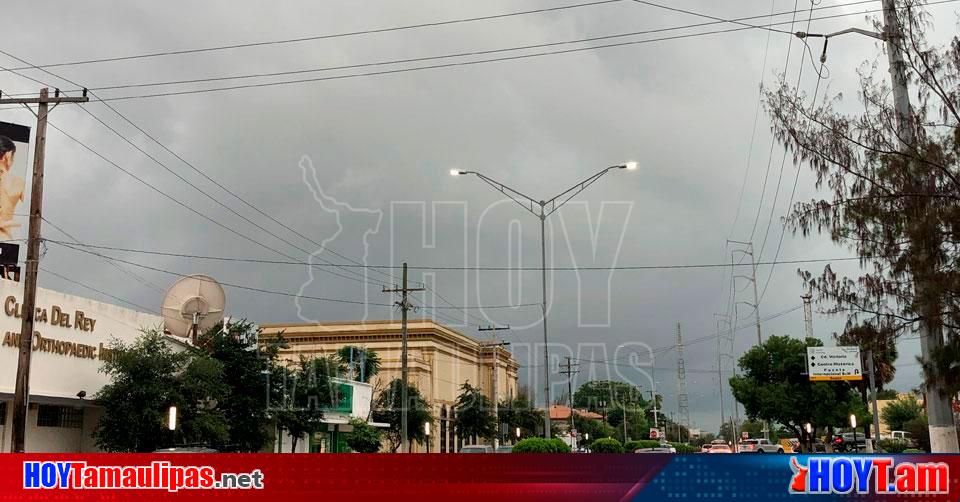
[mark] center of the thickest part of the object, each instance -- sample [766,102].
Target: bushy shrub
[632,446]
[541,445]
[893,445]
[606,445]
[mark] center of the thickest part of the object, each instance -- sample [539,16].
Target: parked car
[476,448]
[720,448]
[705,448]
[505,449]
[846,443]
[187,449]
[760,445]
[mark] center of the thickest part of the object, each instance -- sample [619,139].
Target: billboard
[14,144]
[834,363]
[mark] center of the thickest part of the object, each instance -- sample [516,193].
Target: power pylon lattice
[683,405]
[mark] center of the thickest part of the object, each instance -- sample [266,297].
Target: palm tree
[880,341]
[366,362]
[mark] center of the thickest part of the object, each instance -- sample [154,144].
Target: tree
[919,431]
[519,412]
[611,393]
[366,362]
[881,344]
[364,438]
[595,428]
[387,409]
[894,197]
[307,391]
[772,387]
[244,366]
[901,411]
[146,379]
[887,394]
[475,416]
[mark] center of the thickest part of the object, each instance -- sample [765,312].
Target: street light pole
[542,209]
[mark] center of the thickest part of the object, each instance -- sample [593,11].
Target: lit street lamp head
[630,166]
[457,172]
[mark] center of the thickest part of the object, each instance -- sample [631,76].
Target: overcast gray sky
[382,147]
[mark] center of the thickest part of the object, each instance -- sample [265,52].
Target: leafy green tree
[772,387]
[887,394]
[307,391]
[880,342]
[521,412]
[244,373]
[901,411]
[366,362]
[610,393]
[475,416]
[595,428]
[146,379]
[364,438]
[919,431]
[387,409]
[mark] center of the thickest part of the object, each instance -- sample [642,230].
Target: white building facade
[71,340]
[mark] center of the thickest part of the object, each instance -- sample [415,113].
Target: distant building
[440,360]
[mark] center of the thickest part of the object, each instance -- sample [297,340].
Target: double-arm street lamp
[542,209]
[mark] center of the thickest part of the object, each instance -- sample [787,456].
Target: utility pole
[873,399]
[943,437]
[719,318]
[404,305]
[495,345]
[569,370]
[21,397]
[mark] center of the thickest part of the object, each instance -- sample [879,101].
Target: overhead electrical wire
[472,62]
[446,267]
[783,158]
[321,37]
[104,293]
[281,293]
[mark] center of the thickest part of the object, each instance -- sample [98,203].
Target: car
[187,449]
[505,449]
[759,445]
[476,448]
[705,448]
[720,448]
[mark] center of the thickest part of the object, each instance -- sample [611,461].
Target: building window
[66,417]
[3,413]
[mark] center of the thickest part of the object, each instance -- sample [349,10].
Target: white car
[758,446]
[476,448]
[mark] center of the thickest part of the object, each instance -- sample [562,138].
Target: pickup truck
[758,446]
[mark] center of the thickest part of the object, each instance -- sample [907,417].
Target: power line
[783,158]
[137,277]
[720,19]
[491,60]
[195,169]
[281,293]
[320,37]
[443,267]
[104,293]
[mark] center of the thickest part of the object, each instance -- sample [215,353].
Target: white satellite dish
[193,305]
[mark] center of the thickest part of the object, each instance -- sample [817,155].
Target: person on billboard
[11,189]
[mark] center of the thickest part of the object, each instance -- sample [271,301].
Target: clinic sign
[834,363]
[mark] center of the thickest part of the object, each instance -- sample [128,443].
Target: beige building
[440,360]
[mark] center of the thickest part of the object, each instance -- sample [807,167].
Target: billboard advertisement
[14,144]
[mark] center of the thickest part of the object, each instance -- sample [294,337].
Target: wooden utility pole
[21,396]
[569,370]
[404,305]
[495,345]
